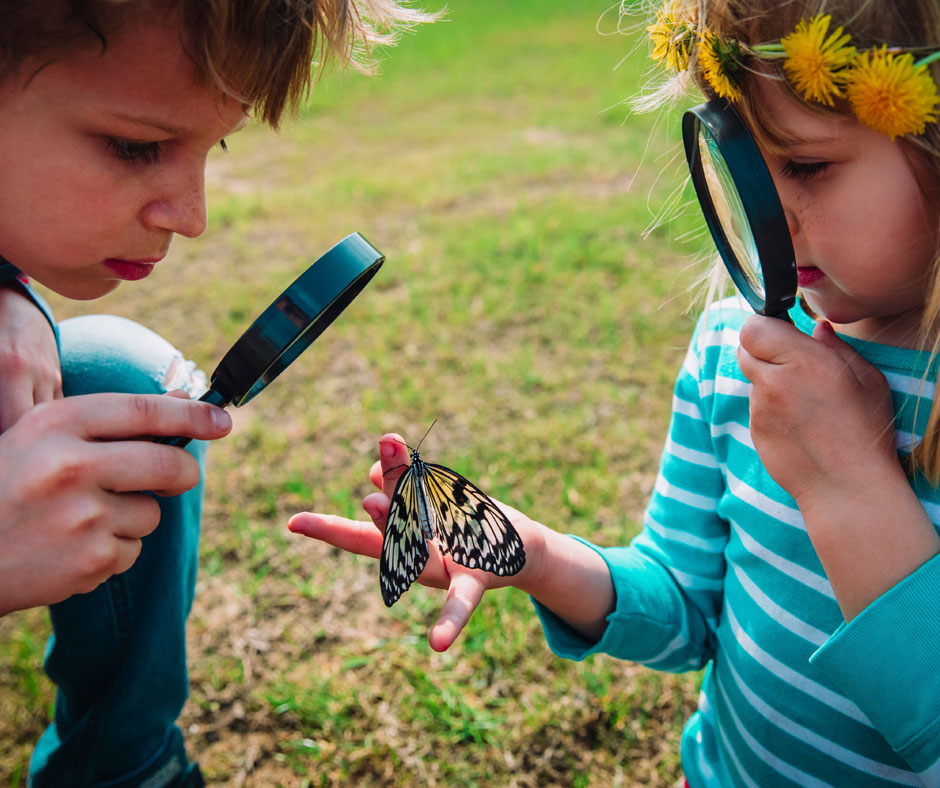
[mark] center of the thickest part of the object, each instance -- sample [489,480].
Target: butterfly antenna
[425,435]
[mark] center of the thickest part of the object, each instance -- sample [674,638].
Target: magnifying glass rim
[351,252]
[759,198]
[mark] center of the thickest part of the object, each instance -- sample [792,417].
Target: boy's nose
[181,206]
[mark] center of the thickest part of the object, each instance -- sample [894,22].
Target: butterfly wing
[404,548]
[469,525]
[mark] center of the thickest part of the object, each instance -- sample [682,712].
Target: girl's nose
[180,206]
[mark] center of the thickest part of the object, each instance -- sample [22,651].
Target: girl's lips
[808,276]
[130,270]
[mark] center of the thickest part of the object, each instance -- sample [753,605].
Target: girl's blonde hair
[265,53]
[912,24]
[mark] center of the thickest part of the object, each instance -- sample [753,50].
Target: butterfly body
[431,501]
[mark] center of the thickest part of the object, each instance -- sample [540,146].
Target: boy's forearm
[573,581]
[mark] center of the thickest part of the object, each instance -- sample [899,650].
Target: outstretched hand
[465,587]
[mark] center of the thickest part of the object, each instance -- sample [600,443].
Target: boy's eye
[801,170]
[127,150]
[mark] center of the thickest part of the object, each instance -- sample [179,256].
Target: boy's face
[864,235]
[103,159]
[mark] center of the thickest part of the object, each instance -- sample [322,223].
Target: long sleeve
[668,581]
[887,659]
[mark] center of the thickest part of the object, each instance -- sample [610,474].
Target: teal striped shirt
[724,576]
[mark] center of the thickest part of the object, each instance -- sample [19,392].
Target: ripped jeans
[118,653]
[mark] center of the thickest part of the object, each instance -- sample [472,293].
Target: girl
[791,544]
[108,109]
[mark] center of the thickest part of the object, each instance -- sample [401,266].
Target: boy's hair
[264,53]
[911,24]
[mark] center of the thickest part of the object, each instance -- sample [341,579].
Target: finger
[115,416]
[749,365]
[136,514]
[377,506]
[395,460]
[354,536]
[15,400]
[770,339]
[375,474]
[128,552]
[463,596]
[132,466]
[824,333]
[178,394]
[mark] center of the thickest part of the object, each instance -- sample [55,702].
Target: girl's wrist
[568,577]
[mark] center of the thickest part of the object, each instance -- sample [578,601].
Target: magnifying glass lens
[729,211]
[741,206]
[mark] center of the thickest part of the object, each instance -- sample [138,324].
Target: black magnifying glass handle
[290,324]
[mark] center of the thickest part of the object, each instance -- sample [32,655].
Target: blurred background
[524,307]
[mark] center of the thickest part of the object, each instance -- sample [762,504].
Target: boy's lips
[808,275]
[131,270]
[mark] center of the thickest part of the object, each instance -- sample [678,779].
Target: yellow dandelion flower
[720,59]
[892,94]
[816,64]
[672,39]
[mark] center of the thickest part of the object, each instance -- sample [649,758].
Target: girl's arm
[29,357]
[823,423]
[565,575]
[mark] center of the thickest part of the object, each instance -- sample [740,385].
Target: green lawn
[523,306]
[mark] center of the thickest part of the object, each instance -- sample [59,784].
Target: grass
[524,308]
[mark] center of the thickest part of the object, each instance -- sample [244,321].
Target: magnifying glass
[741,206]
[291,323]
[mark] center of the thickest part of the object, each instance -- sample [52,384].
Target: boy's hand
[465,587]
[29,357]
[71,474]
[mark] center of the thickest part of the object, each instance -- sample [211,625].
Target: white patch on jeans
[182,374]
[164,774]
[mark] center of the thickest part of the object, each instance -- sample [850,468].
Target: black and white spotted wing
[433,501]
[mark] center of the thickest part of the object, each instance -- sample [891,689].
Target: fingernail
[387,449]
[221,419]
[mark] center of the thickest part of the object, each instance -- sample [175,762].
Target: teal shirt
[724,576]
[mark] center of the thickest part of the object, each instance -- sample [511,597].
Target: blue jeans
[118,654]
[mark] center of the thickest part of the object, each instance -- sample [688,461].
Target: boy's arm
[29,355]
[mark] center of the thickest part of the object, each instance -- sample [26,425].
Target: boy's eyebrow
[160,125]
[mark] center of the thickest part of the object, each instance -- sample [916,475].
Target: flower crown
[886,88]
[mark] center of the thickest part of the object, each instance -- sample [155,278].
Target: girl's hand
[465,587]
[822,422]
[29,357]
[71,474]
[821,416]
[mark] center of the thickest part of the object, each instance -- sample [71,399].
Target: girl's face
[103,158]
[864,234]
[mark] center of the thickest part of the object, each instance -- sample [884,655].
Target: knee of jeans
[108,353]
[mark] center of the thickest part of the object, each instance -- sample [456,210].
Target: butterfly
[433,501]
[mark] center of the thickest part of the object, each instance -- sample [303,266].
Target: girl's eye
[802,171]
[134,152]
